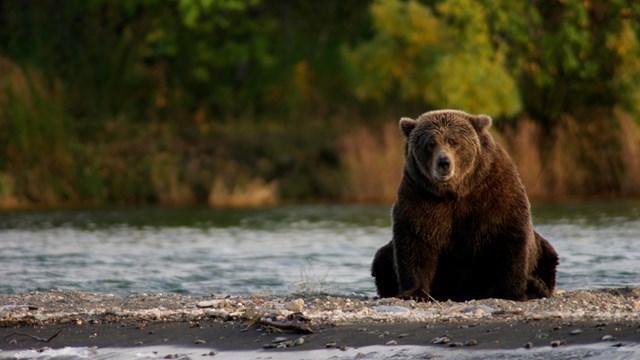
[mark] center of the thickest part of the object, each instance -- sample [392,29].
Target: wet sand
[217,323]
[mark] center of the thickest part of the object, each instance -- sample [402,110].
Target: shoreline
[56,319]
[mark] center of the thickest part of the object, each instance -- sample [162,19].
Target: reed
[629,137]
[598,156]
[234,188]
[35,140]
[595,157]
[165,173]
[373,161]
[522,142]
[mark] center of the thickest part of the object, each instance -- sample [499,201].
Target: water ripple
[286,249]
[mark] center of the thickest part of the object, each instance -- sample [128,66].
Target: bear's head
[445,149]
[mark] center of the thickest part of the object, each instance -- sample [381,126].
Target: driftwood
[293,325]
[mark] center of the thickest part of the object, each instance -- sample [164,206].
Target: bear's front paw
[419,295]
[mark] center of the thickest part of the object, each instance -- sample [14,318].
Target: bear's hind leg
[543,281]
[383,270]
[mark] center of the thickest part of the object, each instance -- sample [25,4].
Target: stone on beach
[296,305]
[211,303]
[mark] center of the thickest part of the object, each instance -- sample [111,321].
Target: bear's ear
[407,125]
[480,122]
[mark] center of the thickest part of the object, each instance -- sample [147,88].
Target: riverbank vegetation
[254,102]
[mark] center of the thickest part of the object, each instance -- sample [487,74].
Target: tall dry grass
[373,161]
[629,137]
[233,188]
[522,142]
[595,156]
[599,157]
[36,163]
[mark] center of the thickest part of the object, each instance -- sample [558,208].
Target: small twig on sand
[434,300]
[295,325]
[35,337]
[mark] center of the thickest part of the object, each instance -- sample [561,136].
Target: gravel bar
[63,318]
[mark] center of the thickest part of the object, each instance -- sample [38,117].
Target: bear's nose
[443,163]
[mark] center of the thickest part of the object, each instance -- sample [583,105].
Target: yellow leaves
[626,78]
[626,12]
[408,38]
[446,60]
[476,84]
[409,22]
[625,41]
[425,28]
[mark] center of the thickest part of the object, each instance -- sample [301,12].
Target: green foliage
[34,138]
[156,101]
[400,56]
[626,74]
[501,57]
[444,60]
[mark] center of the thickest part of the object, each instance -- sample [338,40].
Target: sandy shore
[61,318]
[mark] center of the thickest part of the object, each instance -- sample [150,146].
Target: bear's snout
[442,166]
[443,163]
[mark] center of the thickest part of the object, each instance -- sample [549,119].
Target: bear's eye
[453,142]
[431,143]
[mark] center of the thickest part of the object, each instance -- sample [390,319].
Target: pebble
[441,340]
[199,341]
[331,344]
[576,331]
[391,342]
[557,343]
[608,338]
[279,339]
[471,342]
[210,303]
[41,317]
[478,309]
[298,342]
[528,345]
[216,313]
[296,305]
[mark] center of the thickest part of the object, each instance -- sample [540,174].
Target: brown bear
[461,222]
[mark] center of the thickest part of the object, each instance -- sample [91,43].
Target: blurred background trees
[249,102]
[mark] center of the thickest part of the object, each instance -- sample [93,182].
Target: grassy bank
[261,164]
[258,102]
[47,160]
[597,159]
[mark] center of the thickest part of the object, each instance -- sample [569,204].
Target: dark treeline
[250,102]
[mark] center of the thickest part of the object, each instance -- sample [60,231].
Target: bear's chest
[460,227]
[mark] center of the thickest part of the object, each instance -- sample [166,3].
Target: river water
[281,250]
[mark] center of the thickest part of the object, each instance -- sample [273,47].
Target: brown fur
[461,221]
